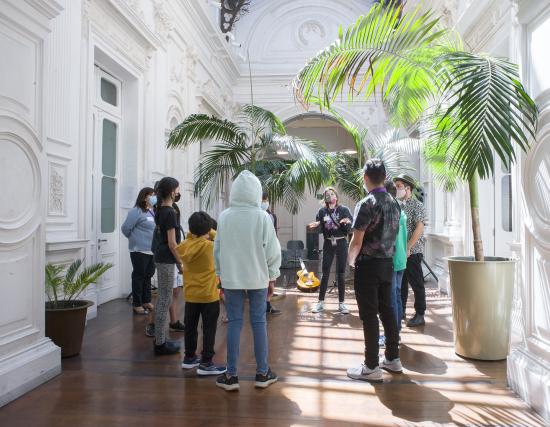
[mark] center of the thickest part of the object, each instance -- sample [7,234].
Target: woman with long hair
[334,221]
[167,237]
[138,228]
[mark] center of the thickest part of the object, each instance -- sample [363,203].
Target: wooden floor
[118,382]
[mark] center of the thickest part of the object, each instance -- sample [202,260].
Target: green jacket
[400,257]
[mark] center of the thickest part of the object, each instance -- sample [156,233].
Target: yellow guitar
[307,282]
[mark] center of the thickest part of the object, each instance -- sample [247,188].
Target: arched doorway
[330,134]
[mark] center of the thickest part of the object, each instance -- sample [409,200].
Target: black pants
[209,313]
[373,291]
[415,277]
[341,252]
[143,269]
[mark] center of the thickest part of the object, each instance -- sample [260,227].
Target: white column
[27,358]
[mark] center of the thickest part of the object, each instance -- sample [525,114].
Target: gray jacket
[138,228]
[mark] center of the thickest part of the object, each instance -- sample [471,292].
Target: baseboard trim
[26,369]
[529,377]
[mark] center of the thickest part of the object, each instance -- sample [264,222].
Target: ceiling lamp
[231,11]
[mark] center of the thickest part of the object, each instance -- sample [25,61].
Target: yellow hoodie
[199,275]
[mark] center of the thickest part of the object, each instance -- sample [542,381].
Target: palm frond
[263,121]
[488,109]
[54,280]
[200,127]
[219,164]
[88,276]
[71,273]
[382,37]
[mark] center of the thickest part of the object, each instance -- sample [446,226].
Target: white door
[106,173]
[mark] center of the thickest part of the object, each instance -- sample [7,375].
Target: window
[108,92]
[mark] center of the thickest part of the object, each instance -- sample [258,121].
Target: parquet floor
[117,381]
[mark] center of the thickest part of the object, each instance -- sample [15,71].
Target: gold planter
[482,295]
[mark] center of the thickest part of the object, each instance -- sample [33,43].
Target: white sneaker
[343,308]
[320,306]
[365,374]
[394,366]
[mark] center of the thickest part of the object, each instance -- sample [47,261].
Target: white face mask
[265,206]
[401,193]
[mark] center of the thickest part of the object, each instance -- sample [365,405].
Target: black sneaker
[150,330]
[210,369]
[264,381]
[417,320]
[169,347]
[228,383]
[190,362]
[177,326]
[274,311]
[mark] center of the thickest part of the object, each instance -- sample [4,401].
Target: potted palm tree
[469,107]
[65,313]
[286,165]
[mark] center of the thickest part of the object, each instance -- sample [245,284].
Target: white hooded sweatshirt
[246,250]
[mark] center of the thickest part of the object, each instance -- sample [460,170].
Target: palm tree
[287,166]
[470,106]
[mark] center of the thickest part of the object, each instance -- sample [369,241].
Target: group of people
[239,257]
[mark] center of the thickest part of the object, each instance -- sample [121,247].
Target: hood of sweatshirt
[193,247]
[246,191]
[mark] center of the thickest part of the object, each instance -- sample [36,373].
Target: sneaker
[265,380]
[210,369]
[417,320]
[177,326]
[150,330]
[365,374]
[343,308]
[382,341]
[169,347]
[274,311]
[190,362]
[320,306]
[393,366]
[228,383]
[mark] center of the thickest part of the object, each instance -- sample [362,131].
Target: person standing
[247,257]
[138,229]
[372,247]
[399,263]
[202,297]
[416,219]
[167,237]
[175,324]
[265,206]
[334,221]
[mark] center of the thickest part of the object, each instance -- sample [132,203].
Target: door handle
[100,241]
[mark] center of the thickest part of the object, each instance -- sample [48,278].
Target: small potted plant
[65,313]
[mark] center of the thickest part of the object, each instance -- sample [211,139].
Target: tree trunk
[476,226]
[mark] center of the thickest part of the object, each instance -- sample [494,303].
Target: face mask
[265,206]
[330,198]
[153,200]
[177,198]
[401,193]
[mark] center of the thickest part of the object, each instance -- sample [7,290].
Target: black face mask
[177,198]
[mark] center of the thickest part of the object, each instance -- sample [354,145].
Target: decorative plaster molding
[311,30]
[48,8]
[163,21]
[56,204]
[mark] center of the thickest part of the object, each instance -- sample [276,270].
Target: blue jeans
[234,304]
[396,279]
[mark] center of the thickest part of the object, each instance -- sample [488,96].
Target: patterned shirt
[378,216]
[328,227]
[415,213]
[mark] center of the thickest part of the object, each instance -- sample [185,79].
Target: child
[201,293]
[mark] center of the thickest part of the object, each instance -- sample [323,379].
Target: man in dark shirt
[375,228]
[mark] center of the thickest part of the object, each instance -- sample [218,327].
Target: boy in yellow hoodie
[202,297]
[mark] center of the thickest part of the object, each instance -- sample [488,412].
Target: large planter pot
[482,303]
[65,325]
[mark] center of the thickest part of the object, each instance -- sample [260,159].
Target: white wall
[27,358]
